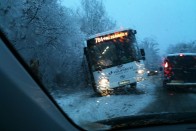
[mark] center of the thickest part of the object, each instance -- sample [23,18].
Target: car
[152,72]
[180,70]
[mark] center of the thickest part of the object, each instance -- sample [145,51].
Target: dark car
[180,70]
[152,72]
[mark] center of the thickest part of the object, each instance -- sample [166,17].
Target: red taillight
[166,65]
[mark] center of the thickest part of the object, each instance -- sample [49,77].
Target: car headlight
[103,83]
[140,71]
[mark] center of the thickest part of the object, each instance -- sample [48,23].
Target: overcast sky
[166,21]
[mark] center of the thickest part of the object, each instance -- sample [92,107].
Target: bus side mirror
[143,54]
[85,50]
[134,32]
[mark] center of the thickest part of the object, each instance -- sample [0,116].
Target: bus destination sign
[110,37]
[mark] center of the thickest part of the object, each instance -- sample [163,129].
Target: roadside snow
[83,107]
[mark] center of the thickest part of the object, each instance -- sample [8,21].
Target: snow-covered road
[84,106]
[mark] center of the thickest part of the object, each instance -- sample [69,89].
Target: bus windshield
[114,52]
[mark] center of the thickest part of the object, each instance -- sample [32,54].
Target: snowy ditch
[82,107]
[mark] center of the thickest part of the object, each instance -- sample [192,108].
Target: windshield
[114,52]
[137,81]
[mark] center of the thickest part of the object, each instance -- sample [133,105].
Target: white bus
[114,60]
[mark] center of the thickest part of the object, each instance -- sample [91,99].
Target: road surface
[85,106]
[175,100]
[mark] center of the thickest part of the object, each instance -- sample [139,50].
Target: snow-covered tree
[94,18]
[50,37]
[44,31]
[153,60]
[189,47]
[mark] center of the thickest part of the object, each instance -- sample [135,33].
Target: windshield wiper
[128,122]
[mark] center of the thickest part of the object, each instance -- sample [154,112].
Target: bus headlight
[104,83]
[140,71]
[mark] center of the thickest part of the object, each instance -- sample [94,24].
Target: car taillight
[166,64]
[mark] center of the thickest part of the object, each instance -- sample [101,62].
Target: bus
[114,60]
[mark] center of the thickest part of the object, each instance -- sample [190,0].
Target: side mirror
[134,31]
[85,50]
[142,52]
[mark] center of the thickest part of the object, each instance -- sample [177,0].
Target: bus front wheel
[107,92]
[104,93]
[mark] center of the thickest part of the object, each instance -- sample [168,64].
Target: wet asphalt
[178,99]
